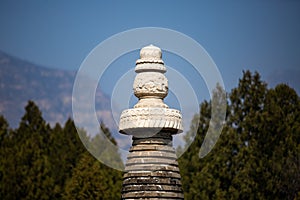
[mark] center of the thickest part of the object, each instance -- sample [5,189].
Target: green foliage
[26,164]
[257,154]
[40,162]
[90,178]
[93,180]
[65,152]
[4,152]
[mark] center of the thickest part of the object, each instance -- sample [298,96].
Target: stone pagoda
[151,170]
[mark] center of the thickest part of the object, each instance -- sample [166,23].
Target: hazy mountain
[51,89]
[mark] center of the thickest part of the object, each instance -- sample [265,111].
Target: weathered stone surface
[152,147]
[159,154]
[163,174]
[151,170]
[150,79]
[151,87]
[156,194]
[152,187]
[149,117]
[149,167]
[152,180]
[150,160]
[152,141]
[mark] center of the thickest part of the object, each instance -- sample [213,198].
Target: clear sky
[238,35]
[256,35]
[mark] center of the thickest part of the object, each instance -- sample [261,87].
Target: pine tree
[257,154]
[4,130]
[90,178]
[4,156]
[280,140]
[93,180]
[66,150]
[28,172]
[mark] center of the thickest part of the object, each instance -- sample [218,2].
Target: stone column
[151,170]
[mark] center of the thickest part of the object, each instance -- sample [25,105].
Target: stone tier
[145,122]
[151,170]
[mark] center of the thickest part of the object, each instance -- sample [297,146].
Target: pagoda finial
[151,87]
[150,82]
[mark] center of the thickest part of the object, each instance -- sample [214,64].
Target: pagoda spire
[151,170]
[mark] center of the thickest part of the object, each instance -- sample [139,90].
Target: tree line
[256,157]
[40,162]
[258,153]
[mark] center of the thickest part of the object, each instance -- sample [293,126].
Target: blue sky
[255,35]
[238,35]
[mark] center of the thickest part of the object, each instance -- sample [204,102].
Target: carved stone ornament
[150,84]
[151,87]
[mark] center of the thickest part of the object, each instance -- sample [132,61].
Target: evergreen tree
[66,149]
[28,170]
[4,155]
[280,140]
[93,180]
[4,130]
[257,155]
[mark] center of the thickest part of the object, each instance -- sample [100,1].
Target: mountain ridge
[51,89]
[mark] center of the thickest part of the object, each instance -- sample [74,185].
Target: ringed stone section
[151,170]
